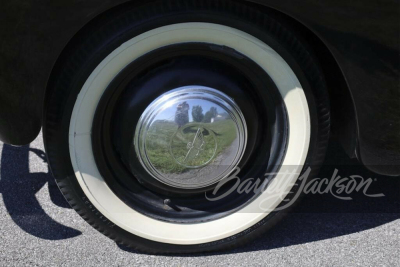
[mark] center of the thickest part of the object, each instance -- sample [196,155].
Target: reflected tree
[182,114]
[211,114]
[197,113]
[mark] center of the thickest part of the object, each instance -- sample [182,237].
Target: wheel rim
[111,206]
[160,71]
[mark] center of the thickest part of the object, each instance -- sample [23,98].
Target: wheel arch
[344,118]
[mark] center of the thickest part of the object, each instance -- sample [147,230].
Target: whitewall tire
[74,111]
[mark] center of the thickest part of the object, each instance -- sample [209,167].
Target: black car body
[148,108]
[357,44]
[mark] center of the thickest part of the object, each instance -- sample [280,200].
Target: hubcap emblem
[200,144]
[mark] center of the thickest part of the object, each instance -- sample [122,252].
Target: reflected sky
[169,113]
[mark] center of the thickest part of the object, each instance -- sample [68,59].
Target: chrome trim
[191,137]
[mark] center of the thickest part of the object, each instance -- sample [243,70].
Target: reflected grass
[163,134]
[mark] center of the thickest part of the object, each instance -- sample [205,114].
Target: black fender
[356,42]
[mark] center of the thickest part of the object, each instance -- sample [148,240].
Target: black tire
[107,34]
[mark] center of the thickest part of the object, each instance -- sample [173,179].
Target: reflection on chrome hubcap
[201,146]
[191,137]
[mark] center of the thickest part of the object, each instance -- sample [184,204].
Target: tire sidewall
[70,81]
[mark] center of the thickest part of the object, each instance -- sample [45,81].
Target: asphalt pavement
[38,228]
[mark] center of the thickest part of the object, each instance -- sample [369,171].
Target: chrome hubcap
[191,137]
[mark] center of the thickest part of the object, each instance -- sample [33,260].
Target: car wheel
[157,107]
